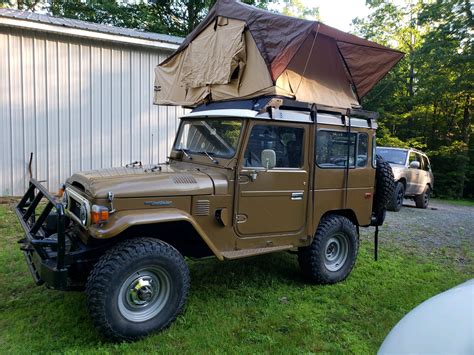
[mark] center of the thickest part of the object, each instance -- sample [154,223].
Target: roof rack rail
[264,102]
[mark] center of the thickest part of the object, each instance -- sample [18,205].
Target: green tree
[175,17]
[426,100]
[296,8]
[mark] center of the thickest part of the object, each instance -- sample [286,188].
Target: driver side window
[286,142]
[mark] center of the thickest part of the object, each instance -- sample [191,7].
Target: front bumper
[53,258]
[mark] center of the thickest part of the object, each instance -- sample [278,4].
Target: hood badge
[158,203]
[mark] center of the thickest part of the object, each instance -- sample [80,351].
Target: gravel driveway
[442,229]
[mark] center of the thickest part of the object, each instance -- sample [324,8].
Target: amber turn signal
[99,215]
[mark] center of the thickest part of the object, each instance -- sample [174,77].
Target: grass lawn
[469,203]
[250,306]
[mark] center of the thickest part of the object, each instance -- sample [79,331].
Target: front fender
[120,221]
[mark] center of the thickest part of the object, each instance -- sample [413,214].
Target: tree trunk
[466,122]
[466,131]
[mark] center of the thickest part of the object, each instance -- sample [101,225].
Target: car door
[412,174]
[415,177]
[273,200]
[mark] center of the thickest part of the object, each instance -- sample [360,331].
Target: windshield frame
[202,153]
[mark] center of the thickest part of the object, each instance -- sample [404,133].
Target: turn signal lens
[99,215]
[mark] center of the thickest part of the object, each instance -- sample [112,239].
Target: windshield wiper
[186,153]
[210,157]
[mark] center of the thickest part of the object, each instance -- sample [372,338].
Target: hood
[143,182]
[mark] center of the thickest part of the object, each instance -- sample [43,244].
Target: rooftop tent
[240,51]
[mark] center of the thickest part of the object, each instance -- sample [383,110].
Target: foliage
[425,102]
[256,305]
[28,5]
[449,164]
[174,17]
[296,8]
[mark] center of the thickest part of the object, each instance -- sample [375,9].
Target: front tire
[138,287]
[396,202]
[422,201]
[333,252]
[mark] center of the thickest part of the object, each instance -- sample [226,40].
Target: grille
[202,208]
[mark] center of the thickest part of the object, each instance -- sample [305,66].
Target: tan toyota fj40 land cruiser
[244,178]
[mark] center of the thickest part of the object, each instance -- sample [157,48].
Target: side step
[236,254]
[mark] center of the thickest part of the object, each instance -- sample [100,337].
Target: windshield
[217,137]
[394,156]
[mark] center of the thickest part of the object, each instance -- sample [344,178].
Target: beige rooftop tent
[240,51]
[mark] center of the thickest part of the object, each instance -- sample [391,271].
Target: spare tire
[384,186]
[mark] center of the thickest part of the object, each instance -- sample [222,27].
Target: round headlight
[83,214]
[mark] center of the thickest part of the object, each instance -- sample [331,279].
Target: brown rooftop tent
[240,51]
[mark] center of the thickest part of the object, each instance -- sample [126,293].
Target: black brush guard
[46,257]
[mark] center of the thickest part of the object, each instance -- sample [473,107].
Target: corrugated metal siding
[78,105]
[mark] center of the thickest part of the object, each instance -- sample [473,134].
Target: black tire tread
[308,256]
[384,185]
[104,271]
[392,204]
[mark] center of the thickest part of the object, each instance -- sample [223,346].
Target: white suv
[412,171]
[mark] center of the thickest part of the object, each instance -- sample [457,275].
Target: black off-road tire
[384,185]
[422,201]
[133,259]
[396,202]
[313,258]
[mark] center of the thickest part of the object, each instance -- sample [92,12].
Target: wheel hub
[141,291]
[336,252]
[400,196]
[144,294]
[332,250]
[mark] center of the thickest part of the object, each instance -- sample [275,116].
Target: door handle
[296,196]
[248,176]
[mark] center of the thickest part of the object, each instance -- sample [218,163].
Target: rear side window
[426,164]
[419,158]
[332,149]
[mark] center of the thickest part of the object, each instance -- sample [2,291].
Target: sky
[339,13]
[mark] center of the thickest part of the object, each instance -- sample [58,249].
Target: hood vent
[201,208]
[184,179]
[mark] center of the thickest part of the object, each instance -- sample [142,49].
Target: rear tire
[396,202]
[138,287]
[423,200]
[333,252]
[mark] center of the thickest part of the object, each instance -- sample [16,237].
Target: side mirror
[415,165]
[268,158]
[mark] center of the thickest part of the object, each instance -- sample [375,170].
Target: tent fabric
[303,59]
[223,51]
[325,79]
[252,79]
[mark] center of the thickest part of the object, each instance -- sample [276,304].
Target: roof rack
[263,103]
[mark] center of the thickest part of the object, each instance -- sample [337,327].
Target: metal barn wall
[77,104]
